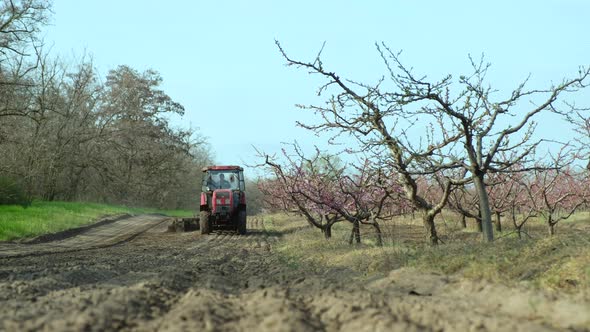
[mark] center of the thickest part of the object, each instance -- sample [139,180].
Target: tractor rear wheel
[242,222]
[204,222]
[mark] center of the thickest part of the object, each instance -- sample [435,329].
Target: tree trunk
[551,225]
[484,206]
[378,234]
[478,224]
[75,176]
[327,230]
[516,226]
[463,221]
[355,234]
[428,221]
[50,184]
[498,222]
[551,229]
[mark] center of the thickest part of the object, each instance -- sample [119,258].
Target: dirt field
[131,275]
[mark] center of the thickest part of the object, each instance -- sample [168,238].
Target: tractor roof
[222,168]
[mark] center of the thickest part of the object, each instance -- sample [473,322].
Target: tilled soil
[131,275]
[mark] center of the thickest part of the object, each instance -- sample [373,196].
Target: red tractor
[223,199]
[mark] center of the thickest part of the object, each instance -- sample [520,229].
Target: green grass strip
[49,217]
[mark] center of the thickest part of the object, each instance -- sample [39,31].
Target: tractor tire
[242,223]
[204,222]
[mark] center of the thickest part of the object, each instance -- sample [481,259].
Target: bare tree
[373,118]
[480,118]
[463,200]
[140,141]
[557,194]
[20,23]
[580,119]
[520,201]
[326,192]
[300,186]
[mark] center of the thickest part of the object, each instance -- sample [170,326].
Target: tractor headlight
[218,201]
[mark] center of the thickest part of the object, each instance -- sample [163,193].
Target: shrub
[11,193]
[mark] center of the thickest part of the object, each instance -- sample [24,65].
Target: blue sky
[219,60]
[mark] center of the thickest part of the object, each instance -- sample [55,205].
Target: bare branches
[474,116]
[325,191]
[421,127]
[20,51]
[78,141]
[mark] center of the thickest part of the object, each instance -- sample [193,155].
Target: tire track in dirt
[247,304]
[121,231]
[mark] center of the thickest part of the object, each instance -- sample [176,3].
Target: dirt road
[131,275]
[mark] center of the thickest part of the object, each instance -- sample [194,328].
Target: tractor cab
[223,199]
[223,179]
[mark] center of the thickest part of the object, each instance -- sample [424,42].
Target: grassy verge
[561,262]
[49,217]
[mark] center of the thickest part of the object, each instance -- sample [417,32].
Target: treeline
[68,134]
[325,191]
